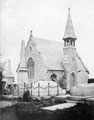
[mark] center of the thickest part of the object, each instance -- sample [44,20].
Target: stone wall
[40,68]
[69,62]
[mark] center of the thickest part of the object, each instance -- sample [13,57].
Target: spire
[69,31]
[22,68]
[22,56]
[9,66]
[9,73]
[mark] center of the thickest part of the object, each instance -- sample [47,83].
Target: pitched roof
[51,52]
[69,31]
[80,64]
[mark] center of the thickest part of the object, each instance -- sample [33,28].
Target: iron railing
[49,90]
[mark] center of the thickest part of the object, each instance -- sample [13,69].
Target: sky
[47,19]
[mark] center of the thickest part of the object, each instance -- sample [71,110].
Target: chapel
[42,59]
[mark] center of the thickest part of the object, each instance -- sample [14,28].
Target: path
[6,103]
[59,106]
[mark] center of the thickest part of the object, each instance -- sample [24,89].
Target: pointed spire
[69,31]
[9,66]
[9,73]
[22,56]
[22,68]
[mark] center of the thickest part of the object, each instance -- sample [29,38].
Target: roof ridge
[82,63]
[48,40]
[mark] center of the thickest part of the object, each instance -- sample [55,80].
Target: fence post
[7,90]
[2,89]
[10,89]
[31,89]
[57,89]
[18,89]
[38,89]
[13,89]
[48,89]
[27,86]
[24,87]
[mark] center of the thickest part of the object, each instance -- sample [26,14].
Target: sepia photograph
[46,59]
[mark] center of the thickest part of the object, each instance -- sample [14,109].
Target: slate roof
[51,52]
[80,64]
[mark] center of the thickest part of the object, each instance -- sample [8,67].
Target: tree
[2,83]
[1,72]
[62,81]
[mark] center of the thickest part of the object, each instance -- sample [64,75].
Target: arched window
[30,67]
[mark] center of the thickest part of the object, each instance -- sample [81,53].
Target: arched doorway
[53,77]
[72,80]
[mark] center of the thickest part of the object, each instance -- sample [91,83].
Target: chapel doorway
[53,77]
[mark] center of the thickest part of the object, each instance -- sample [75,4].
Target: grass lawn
[78,112]
[8,113]
[32,111]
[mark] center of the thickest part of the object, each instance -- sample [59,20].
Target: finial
[69,9]
[31,33]
[69,6]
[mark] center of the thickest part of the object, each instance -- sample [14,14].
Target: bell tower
[69,54]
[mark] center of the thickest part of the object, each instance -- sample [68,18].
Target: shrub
[26,96]
[2,83]
[62,81]
[26,111]
[29,111]
[59,101]
[78,112]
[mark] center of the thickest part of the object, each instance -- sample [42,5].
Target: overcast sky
[47,19]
